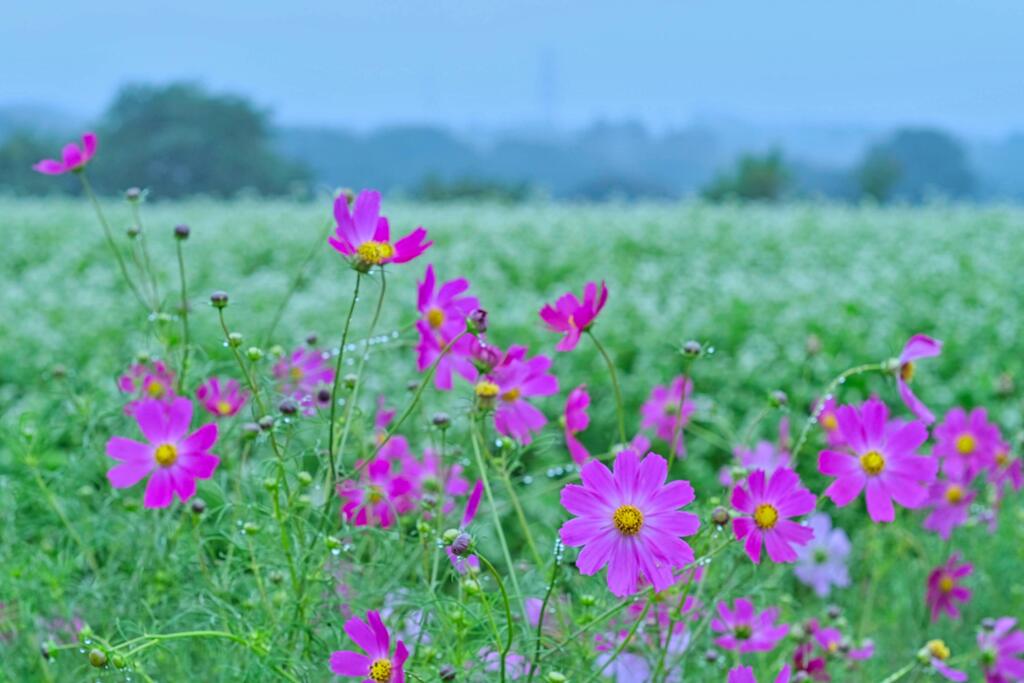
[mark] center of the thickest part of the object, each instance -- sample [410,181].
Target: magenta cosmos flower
[1008,473]
[73,157]
[830,423]
[575,420]
[629,521]
[147,382]
[950,500]
[221,399]
[364,235]
[966,443]
[174,457]
[378,665]
[770,505]
[304,375]
[443,311]
[744,674]
[667,410]
[944,589]
[821,563]
[378,498]
[935,653]
[571,317]
[507,387]
[917,347]
[745,630]
[1002,649]
[883,461]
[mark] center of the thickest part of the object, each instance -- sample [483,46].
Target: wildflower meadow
[364,439]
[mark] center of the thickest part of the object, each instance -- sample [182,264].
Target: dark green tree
[18,152]
[924,161]
[761,177]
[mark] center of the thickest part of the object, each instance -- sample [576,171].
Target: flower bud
[350,380]
[476,322]
[460,546]
[98,658]
[311,339]
[348,193]
[305,478]
[447,673]
[59,371]
[441,420]
[471,586]
[710,656]
[266,423]
[450,535]
[778,398]
[250,528]
[133,194]
[333,543]
[720,516]
[132,231]
[588,600]
[181,231]
[118,661]
[834,611]
[412,385]
[323,396]
[555,677]
[198,506]
[288,406]
[219,299]
[254,353]
[270,484]
[276,577]
[235,339]
[692,348]
[250,430]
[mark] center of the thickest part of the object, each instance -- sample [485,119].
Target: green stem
[86,552]
[540,618]
[897,675]
[520,514]
[184,315]
[829,390]
[331,451]
[615,385]
[677,429]
[625,641]
[508,611]
[145,254]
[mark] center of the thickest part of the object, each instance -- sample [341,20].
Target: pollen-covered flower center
[743,632]
[628,519]
[165,454]
[223,407]
[435,317]
[156,389]
[380,670]
[907,371]
[375,494]
[872,462]
[829,422]
[965,444]
[946,583]
[820,556]
[938,649]
[671,409]
[511,395]
[375,253]
[765,516]
[486,389]
[955,493]
[296,373]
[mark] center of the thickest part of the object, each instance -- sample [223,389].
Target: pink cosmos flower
[936,653]
[746,630]
[950,500]
[1007,472]
[821,563]
[832,641]
[221,400]
[966,443]
[811,664]
[944,589]
[744,674]
[443,314]
[365,236]
[378,498]
[147,382]
[304,375]
[917,347]
[667,410]
[883,461]
[571,318]
[464,563]
[629,521]
[73,157]
[575,420]
[174,457]
[770,506]
[431,480]
[378,665]
[1002,649]
[509,383]
[830,423]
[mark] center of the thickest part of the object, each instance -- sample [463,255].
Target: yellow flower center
[223,407]
[374,253]
[435,317]
[743,631]
[946,583]
[156,389]
[907,371]
[1002,458]
[833,646]
[380,670]
[296,373]
[374,495]
[955,493]
[486,389]
[165,454]
[671,409]
[965,444]
[511,395]
[765,516]
[829,422]
[628,519]
[872,462]
[938,649]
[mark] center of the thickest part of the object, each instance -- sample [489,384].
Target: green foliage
[916,163]
[18,152]
[756,177]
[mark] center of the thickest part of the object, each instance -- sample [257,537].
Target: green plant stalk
[540,620]
[520,514]
[508,611]
[52,500]
[678,429]
[184,316]
[625,641]
[137,216]
[331,451]
[620,412]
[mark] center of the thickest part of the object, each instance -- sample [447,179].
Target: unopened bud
[288,406]
[813,345]
[198,506]
[692,348]
[555,677]
[441,420]
[710,656]
[132,231]
[588,600]
[476,322]
[266,423]
[235,339]
[323,396]
[270,484]
[450,535]
[333,543]
[311,338]
[181,231]
[350,380]
[834,611]
[412,385]
[98,658]
[778,398]
[254,353]
[219,299]
[460,546]
[133,194]
[720,516]
[305,478]
[471,586]
[447,672]
[251,429]
[250,528]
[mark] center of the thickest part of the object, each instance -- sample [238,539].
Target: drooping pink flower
[431,480]
[629,520]
[966,443]
[73,158]
[770,505]
[509,384]
[883,461]
[378,498]
[147,382]
[830,423]
[364,235]
[173,457]
[304,374]
[378,664]
[463,562]
[571,317]
[1002,651]
[821,563]
[221,400]
[667,410]
[745,630]
[744,674]
[917,347]
[944,589]
[575,420]
[950,501]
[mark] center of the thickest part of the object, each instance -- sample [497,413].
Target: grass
[787,297]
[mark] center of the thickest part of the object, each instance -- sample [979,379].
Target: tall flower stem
[148,264]
[520,514]
[543,612]
[625,641]
[829,390]
[184,315]
[508,610]
[331,451]
[108,233]
[615,385]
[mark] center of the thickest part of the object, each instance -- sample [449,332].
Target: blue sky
[877,63]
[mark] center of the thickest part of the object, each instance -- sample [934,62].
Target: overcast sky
[957,63]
